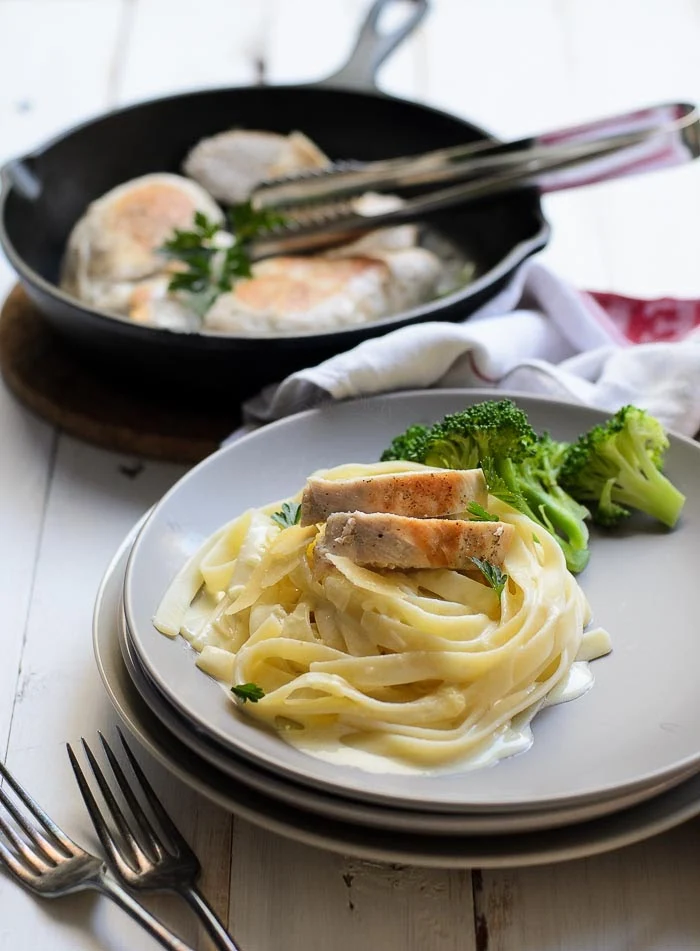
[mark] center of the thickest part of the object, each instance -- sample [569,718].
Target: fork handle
[211,921]
[155,927]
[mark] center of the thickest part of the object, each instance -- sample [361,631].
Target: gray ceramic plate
[355,811]
[517,849]
[638,727]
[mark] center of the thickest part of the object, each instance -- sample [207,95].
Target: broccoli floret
[520,468]
[493,435]
[494,430]
[411,445]
[617,466]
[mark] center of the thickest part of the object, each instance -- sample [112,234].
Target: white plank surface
[513,67]
[91,505]
[176,46]
[289,897]
[641,897]
[25,472]
[56,58]
[75,46]
[309,40]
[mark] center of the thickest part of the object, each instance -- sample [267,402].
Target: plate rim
[684,799]
[371,813]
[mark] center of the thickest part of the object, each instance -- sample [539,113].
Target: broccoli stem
[551,508]
[642,486]
[560,520]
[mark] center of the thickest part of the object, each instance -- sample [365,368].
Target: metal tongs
[320,207]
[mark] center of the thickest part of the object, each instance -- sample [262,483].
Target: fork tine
[31,859]
[23,874]
[140,816]
[49,825]
[40,843]
[161,815]
[113,806]
[101,827]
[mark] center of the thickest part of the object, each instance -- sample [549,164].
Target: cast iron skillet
[45,192]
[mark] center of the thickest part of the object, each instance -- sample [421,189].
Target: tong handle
[482,158]
[548,168]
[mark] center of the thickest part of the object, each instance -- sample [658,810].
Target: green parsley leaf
[245,692]
[288,516]
[479,513]
[493,574]
[498,487]
[209,269]
[247,222]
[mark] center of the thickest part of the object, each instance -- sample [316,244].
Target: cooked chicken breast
[229,165]
[415,273]
[151,303]
[116,242]
[113,260]
[395,541]
[300,153]
[397,238]
[415,494]
[289,294]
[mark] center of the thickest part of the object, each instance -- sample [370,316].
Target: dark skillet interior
[155,136]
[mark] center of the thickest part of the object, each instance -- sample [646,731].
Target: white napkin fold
[539,335]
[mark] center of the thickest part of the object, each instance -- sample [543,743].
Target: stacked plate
[619,764]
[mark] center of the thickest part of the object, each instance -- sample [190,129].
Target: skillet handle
[373,47]
[18,174]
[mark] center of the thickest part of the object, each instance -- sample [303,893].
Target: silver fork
[140,857]
[48,863]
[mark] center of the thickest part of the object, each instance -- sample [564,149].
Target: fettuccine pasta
[427,667]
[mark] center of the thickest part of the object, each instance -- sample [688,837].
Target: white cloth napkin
[539,335]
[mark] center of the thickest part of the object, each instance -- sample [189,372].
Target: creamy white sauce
[509,741]
[337,745]
[195,626]
[578,681]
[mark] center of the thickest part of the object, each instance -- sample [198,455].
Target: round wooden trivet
[43,372]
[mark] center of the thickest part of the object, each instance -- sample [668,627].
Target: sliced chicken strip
[418,494]
[395,541]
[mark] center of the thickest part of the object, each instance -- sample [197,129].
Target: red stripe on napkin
[649,321]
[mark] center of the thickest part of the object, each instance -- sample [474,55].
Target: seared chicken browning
[114,260]
[395,541]
[115,246]
[416,494]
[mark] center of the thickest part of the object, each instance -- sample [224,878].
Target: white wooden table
[514,66]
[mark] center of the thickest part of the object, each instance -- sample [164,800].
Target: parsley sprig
[498,486]
[247,223]
[289,515]
[493,574]
[245,692]
[213,256]
[479,514]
